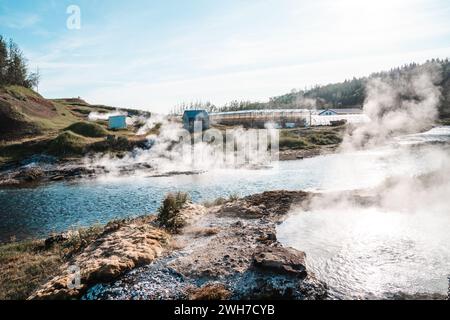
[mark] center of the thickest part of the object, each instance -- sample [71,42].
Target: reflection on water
[371,253]
[56,207]
[401,245]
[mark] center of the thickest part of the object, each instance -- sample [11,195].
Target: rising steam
[391,237]
[400,105]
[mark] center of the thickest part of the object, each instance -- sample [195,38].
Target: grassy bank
[310,138]
[26,265]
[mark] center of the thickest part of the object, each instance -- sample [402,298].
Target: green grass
[326,138]
[88,129]
[293,143]
[18,151]
[310,137]
[68,144]
[26,265]
[21,92]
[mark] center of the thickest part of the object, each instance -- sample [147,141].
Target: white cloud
[19,20]
[256,85]
[253,52]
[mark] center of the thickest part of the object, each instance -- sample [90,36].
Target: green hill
[67,143]
[88,129]
[26,114]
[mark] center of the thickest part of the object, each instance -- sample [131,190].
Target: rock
[106,258]
[242,209]
[280,260]
[30,174]
[268,238]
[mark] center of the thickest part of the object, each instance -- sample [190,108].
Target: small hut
[190,116]
[117,122]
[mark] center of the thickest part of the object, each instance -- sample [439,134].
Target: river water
[366,253]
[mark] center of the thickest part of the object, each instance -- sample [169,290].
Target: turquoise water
[36,212]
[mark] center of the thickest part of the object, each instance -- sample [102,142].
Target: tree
[33,79]
[13,66]
[16,71]
[3,61]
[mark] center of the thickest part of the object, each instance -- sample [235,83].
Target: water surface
[36,212]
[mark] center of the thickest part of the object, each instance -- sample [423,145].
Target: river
[38,211]
[364,253]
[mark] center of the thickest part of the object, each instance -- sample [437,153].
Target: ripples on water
[399,247]
[359,253]
[371,253]
[31,212]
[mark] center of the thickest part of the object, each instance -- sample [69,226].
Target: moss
[87,129]
[67,144]
[169,215]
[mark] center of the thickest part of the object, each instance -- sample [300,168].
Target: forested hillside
[350,93]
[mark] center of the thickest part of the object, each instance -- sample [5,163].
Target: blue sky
[155,54]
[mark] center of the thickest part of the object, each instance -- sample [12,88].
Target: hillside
[26,114]
[31,124]
[346,94]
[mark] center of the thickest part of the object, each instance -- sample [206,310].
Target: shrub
[87,129]
[169,215]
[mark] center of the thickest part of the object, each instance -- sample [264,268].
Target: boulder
[280,260]
[105,259]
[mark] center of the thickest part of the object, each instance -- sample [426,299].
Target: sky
[154,55]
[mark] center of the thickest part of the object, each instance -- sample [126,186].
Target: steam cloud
[397,107]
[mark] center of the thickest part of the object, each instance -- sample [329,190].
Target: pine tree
[13,66]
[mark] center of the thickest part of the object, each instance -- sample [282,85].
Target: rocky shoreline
[229,251]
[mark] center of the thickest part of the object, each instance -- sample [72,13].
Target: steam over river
[359,254]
